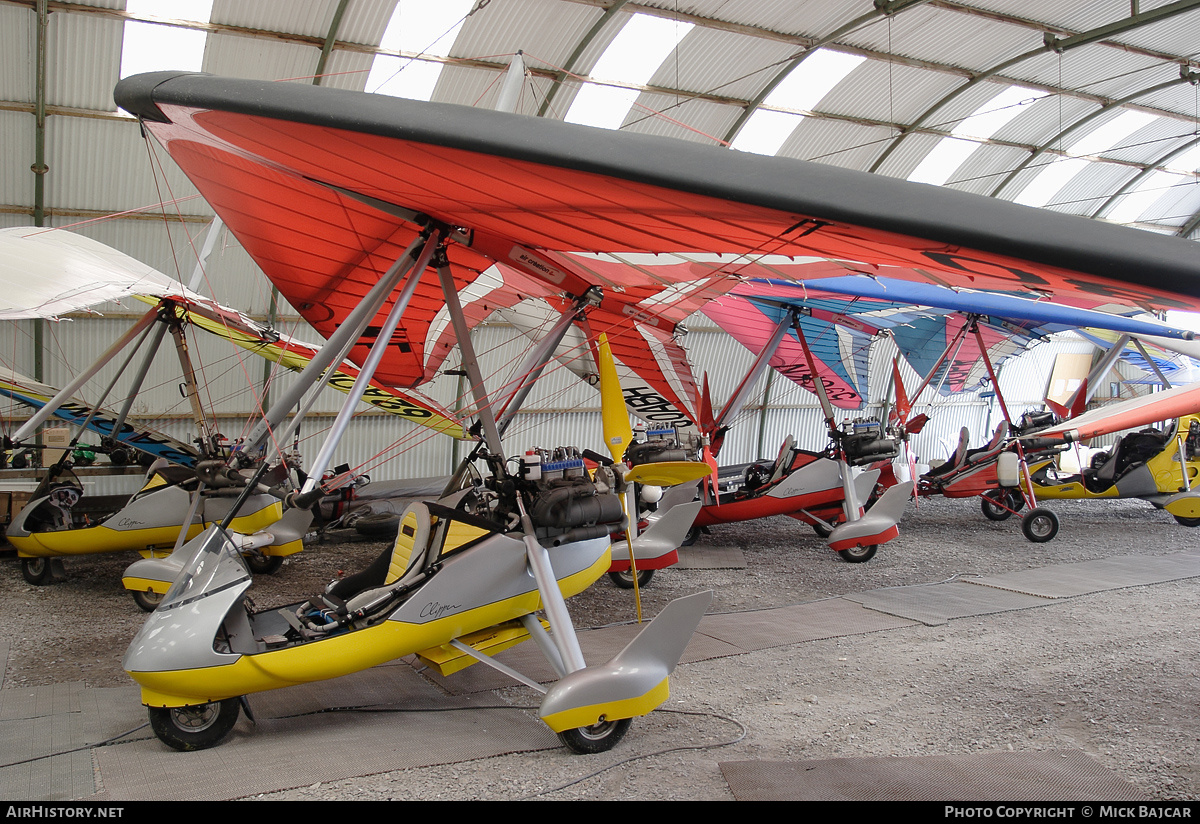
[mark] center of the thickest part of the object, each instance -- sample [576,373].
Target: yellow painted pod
[342,654]
[94,540]
[447,659]
[610,711]
[1185,506]
[146,585]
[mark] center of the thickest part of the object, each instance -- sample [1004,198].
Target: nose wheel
[148,600]
[600,737]
[1040,525]
[624,578]
[858,554]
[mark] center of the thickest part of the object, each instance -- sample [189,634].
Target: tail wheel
[624,578]
[36,571]
[858,554]
[1040,525]
[263,564]
[194,728]
[600,737]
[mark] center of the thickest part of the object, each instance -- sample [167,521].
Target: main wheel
[36,570]
[822,531]
[263,564]
[624,578]
[1040,525]
[1000,504]
[1179,519]
[858,554]
[194,728]
[692,536]
[148,600]
[600,737]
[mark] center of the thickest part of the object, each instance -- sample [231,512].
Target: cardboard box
[55,436]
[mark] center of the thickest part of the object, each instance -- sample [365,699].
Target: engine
[864,441]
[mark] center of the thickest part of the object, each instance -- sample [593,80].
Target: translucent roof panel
[1056,175]
[150,47]
[416,28]
[1157,186]
[801,91]
[941,163]
[631,59]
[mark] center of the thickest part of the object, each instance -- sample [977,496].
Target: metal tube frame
[537,360]
[350,330]
[470,363]
[738,398]
[432,242]
[64,394]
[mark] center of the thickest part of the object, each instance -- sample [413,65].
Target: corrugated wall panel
[83,60]
[17,76]
[16,180]
[103,165]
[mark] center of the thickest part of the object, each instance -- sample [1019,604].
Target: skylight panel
[419,28]
[1134,204]
[951,152]
[1187,162]
[1054,177]
[802,90]
[151,47]
[766,131]
[1131,207]
[632,58]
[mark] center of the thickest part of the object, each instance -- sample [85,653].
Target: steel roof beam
[1060,45]
[1045,147]
[882,9]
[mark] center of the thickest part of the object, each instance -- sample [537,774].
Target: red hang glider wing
[1157,406]
[656,375]
[293,169]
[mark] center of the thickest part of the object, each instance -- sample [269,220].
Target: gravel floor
[1111,674]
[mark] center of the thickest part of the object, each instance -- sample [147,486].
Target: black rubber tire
[624,579]
[1011,499]
[194,728]
[263,564]
[858,554]
[1040,525]
[597,738]
[384,525]
[822,531]
[692,536]
[36,571]
[1179,519]
[148,600]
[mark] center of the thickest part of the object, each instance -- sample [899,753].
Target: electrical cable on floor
[682,748]
[633,758]
[103,743]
